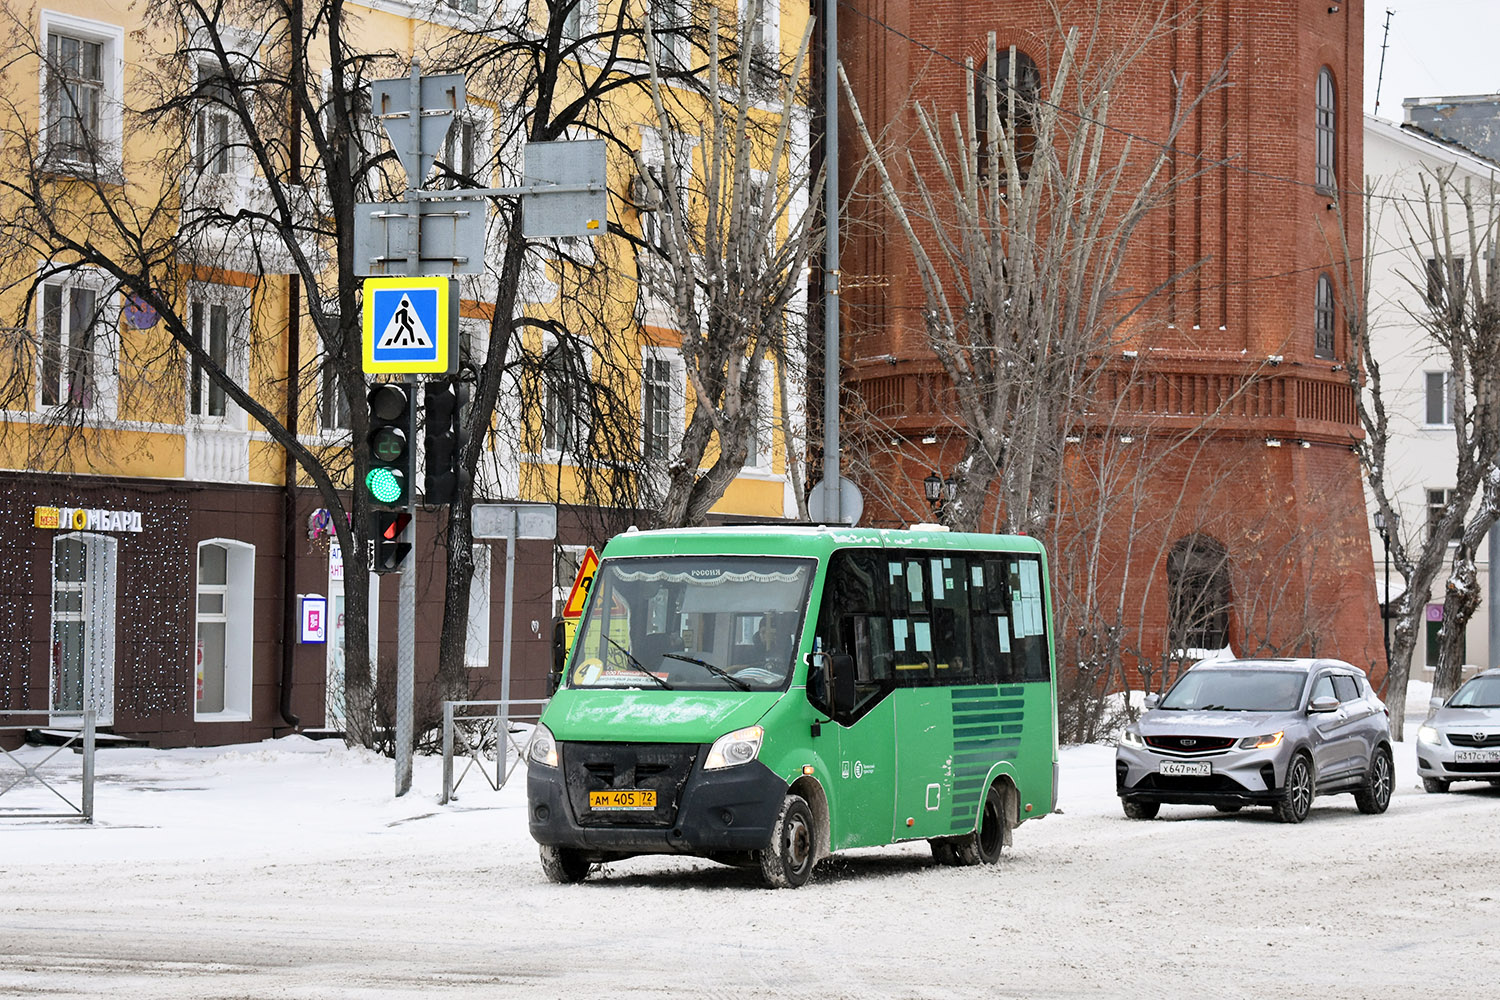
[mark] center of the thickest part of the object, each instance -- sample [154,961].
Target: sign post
[512,522]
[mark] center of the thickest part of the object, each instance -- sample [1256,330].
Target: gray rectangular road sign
[578,162]
[494,520]
[452,237]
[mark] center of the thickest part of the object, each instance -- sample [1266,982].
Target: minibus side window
[853,620]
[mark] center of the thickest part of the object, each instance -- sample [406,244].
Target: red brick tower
[1237,390]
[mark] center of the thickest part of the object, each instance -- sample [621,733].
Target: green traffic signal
[385,485]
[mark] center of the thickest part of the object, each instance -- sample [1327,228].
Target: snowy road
[287,870]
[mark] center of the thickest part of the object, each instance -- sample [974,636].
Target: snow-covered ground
[289,870]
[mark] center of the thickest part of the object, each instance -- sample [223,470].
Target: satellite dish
[851,502]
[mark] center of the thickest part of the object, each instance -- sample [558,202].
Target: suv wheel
[1136,809]
[1376,793]
[1297,791]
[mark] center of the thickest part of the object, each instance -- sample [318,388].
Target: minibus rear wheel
[983,846]
[564,864]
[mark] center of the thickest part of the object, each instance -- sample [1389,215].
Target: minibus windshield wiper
[716,671]
[637,664]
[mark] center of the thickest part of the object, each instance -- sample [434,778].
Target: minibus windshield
[696,623]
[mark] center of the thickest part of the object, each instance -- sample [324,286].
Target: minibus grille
[662,768]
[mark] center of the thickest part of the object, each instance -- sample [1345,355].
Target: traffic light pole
[406,614]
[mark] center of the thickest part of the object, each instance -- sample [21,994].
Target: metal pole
[447,751]
[89,741]
[503,735]
[1385,609]
[406,616]
[832,499]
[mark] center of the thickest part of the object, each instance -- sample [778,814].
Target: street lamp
[939,492]
[1385,532]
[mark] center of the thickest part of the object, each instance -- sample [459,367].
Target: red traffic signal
[388,546]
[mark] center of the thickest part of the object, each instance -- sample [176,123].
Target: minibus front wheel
[564,864]
[787,862]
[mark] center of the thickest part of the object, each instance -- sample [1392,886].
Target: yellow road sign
[409,326]
[581,584]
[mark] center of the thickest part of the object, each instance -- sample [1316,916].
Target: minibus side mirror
[844,695]
[559,655]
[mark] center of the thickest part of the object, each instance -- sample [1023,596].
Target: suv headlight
[1131,738]
[543,748]
[732,749]
[1428,734]
[1265,742]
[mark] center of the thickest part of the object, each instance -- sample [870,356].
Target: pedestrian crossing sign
[409,324]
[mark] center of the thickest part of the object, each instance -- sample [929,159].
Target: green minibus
[765,696]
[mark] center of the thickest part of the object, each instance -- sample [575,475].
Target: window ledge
[222,717]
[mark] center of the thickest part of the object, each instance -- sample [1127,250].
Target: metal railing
[476,742]
[83,739]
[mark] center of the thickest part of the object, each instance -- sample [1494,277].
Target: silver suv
[1233,733]
[1461,740]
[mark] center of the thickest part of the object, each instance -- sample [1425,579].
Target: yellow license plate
[623,798]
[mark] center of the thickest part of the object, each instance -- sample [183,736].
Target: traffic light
[390,446]
[443,432]
[386,530]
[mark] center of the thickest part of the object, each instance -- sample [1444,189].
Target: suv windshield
[1256,690]
[1480,692]
[697,623]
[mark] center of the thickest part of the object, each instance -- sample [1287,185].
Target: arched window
[1323,318]
[1327,122]
[1198,594]
[1015,110]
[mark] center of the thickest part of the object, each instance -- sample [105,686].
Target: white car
[1461,740]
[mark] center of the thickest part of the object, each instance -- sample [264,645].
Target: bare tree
[721,268]
[1448,225]
[1019,218]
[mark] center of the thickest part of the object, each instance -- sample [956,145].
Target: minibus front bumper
[726,810]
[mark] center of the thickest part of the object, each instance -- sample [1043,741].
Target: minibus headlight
[543,748]
[732,749]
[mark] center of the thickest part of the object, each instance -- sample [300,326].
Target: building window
[1198,594]
[215,315]
[1015,110]
[567,560]
[761,35]
[466,151]
[83,642]
[656,407]
[565,403]
[1445,284]
[222,654]
[333,405]
[1327,131]
[213,128]
[70,345]
[1439,395]
[1323,318]
[762,419]
[670,21]
[477,641]
[1437,503]
[81,83]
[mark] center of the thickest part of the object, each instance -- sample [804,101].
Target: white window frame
[762,451]
[571,555]
[477,638]
[1445,386]
[238,616]
[240,49]
[101,397]
[235,303]
[583,21]
[764,59]
[580,414]
[111,39]
[334,419]
[481,120]
[675,51]
[676,399]
[96,613]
